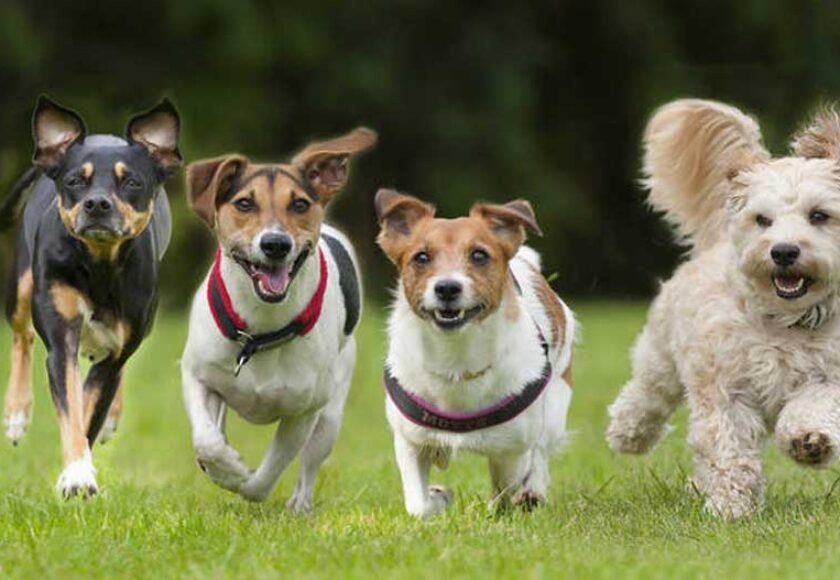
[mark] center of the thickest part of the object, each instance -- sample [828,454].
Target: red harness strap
[234,327]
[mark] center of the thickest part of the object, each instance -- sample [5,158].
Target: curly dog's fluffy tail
[10,206]
[692,150]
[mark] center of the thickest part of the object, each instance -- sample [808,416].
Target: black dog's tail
[10,207]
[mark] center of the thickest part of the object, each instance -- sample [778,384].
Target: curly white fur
[748,361]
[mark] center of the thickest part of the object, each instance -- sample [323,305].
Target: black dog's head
[106,185]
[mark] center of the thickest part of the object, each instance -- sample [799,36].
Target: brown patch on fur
[567,374]
[69,215]
[273,193]
[73,440]
[119,169]
[67,300]
[553,310]
[19,390]
[87,170]
[134,221]
[325,163]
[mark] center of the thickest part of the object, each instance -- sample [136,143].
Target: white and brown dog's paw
[15,426]
[78,479]
[223,465]
[439,499]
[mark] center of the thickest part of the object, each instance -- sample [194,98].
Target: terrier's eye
[245,204]
[421,258]
[763,221]
[479,257]
[817,217]
[300,205]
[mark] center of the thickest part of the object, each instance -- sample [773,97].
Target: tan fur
[73,440]
[119,169]
[821,138]
[325,163]
[87,170]
[67,300]
[553,309]
[19,391]
[134,222]
[692,150]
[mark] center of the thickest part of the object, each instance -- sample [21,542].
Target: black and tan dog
[93,232]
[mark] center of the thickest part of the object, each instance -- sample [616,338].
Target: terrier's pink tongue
[274,282]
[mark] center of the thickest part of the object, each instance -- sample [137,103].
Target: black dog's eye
[300,205]
[817,217]
[245,204]
[132,183]
[763,221]
[479,257]
[74,181]
[421,258]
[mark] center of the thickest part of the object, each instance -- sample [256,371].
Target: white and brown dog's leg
[18,408]
[323,436]
[727,435]
[206,411]
[808,428]
[639,415]
[520,479]
[289,439]
[421,499]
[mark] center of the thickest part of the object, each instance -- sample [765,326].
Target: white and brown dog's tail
[693,148]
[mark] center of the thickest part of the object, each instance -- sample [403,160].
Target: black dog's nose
[97,205]
[448,290]
[784,254]
[276,246]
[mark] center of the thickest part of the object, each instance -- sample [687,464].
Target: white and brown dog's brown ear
[820,139]
[210,182]
[398,214]
[54,130]
[509,222]
[158,130]
[325,164]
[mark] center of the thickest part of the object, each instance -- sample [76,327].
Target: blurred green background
[490,100]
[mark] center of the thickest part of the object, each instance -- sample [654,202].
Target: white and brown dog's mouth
[791,285]
[451,318]
[272,281]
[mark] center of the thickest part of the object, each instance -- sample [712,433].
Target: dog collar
[234,327]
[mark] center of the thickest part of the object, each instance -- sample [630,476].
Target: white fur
[303,384]
[718,335]
[78,477]
[431,364]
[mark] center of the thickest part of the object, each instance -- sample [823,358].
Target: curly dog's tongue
[276,281]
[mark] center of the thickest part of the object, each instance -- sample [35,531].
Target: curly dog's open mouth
[791,285]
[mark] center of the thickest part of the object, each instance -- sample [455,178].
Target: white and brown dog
[480,349]
[747,329]
[271,328]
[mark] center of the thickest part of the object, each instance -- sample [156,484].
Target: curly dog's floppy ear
[820,139]
[693,151]
[398,214]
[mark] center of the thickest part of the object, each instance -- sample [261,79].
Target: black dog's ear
[158,130]
[54,130]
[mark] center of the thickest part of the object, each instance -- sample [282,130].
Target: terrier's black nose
[784,254]
[276,246]
[448,290]
[97,205]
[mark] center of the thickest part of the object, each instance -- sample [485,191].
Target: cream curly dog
[747,329]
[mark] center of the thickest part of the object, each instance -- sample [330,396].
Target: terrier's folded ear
[398,214]
[819,139]
[508,222]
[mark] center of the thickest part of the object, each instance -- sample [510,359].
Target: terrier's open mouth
[791,285]
[272,281]
[450,318]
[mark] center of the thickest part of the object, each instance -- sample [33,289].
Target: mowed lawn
[158,516]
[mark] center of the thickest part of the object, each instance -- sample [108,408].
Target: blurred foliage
[474,100]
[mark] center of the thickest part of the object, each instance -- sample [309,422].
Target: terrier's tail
[693,148]
[10,206]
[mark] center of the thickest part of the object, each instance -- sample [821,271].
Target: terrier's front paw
[223,464]
[15,426]
[527,499]
[438,500]
[812,448]
[78,479]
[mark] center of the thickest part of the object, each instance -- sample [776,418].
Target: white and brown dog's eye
[299,205]
[245,204]
[479,257]
[763,221]
[817,217]
[421,258]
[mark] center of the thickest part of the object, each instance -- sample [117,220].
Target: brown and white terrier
[480,349]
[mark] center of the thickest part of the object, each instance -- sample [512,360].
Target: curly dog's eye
[763,221]
[817,217]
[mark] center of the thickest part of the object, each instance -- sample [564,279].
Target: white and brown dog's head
[268,217]
[453,271]
[708,170]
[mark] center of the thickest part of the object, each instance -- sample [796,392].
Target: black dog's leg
[101,386]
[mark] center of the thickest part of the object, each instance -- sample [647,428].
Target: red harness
[234,327]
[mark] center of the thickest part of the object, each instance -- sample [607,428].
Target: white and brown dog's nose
[448,290]
[276,246]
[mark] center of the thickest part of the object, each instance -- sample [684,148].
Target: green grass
[159,516]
